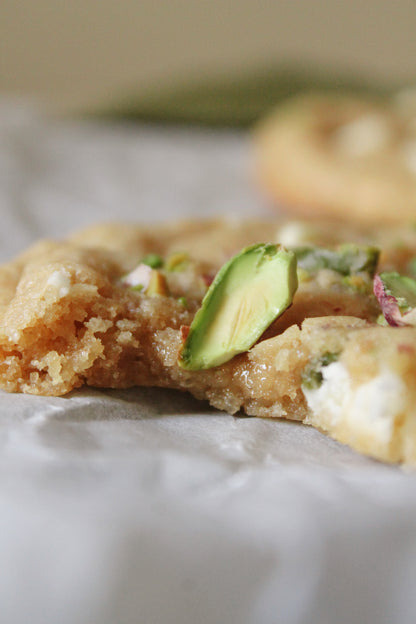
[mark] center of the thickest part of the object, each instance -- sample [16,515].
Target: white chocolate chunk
[295,233]
[369,409]
[363,136]
[14,336]
[61,281]
[140,276]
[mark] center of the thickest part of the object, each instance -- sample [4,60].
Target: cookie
[114,305]
[340,157]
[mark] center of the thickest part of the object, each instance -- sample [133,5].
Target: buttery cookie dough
[111,307]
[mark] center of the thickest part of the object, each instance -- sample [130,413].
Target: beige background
[77,52]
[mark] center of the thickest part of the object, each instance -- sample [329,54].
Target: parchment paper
[146,506]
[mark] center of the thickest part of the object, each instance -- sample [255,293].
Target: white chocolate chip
[363,136]
[295,233]
[369,408]
[140,276]
[61,281]
[14,336]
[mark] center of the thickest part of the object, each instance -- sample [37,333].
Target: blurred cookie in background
[345,157]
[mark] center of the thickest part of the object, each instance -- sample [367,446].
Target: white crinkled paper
[146,506]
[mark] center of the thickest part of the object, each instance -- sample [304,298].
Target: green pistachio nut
[248,293]
[347,259]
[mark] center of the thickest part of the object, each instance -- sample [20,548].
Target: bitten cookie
[274,319]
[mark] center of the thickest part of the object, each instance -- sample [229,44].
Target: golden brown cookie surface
[75,312]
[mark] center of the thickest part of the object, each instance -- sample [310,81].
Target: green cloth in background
[230,102]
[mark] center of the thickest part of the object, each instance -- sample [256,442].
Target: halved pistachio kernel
[248,293]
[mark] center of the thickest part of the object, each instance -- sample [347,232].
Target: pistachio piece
[153,260]
[157,284]
[183,301]
[247,294]
[346,259]
[312,376]
[177,261]
[397,297]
